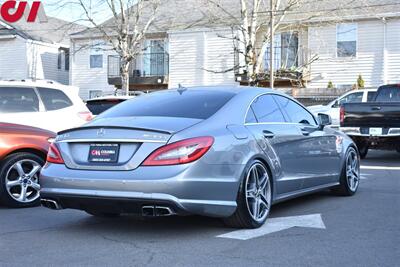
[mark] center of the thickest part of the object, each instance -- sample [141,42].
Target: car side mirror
[324,120]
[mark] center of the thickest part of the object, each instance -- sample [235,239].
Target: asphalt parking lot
[317,230]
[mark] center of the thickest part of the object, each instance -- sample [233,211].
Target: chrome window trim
[273,123]
[111,141]
[252,101]
[284,114]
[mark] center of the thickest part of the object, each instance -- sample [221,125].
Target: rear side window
[18,99]
[196,104]
[388,94]
[251,117]
[267,110]
[352,98]
[371,96]
[99,106]
[54,99]
[296,113]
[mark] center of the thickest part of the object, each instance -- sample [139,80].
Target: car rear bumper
[184,190]
[365,132]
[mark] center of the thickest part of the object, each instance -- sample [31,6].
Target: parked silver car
[213,151]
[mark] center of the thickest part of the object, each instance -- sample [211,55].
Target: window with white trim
[286,50]
[96,56]
[63,59]
[95,93]
[346,40]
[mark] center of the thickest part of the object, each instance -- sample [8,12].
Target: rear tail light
[85,115]
[181,152]
[341,115]
[54,155]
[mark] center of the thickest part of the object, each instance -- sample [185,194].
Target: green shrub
[360,82]
[330,85]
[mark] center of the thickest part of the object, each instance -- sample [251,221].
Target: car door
[334,112]
[275,135]
[20,105]
[315,152]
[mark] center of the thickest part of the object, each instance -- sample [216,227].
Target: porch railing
[145,65]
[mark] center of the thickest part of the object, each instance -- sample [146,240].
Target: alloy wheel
[258,192]
[22,181]
[353,170]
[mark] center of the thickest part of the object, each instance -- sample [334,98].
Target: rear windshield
[99,106]
[388,94]
[194,104]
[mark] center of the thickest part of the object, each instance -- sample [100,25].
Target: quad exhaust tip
[156,211]
[50,204]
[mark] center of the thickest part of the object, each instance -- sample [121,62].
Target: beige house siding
[199,58]
[86,78]
[13,58]
[369,61]
[393,51]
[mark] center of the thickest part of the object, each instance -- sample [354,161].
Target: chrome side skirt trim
[301,192]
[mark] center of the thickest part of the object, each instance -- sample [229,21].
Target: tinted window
[352,98]
[251,117]
[196,104]
[267,110]
[99,106]
[371,96]
[18,99]
[388,94]
[296,113]
[54,99]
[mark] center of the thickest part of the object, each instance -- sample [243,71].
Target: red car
[23,151]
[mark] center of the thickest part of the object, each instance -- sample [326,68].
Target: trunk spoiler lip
[114,127]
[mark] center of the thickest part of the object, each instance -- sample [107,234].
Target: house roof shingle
[183,14]
[53,31]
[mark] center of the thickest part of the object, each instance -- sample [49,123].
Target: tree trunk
[124,69]
[250,67]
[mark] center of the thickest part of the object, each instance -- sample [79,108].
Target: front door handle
[376,108]
[305,131]
[268,134]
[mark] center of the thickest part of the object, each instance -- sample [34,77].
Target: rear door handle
[376,108]
[268,134]
[305,131]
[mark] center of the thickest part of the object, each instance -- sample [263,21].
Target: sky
[66,10]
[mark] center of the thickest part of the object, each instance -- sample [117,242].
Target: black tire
[363,150]
[242,217]
[344,188]
[102,214]
[398,150]
[5,166]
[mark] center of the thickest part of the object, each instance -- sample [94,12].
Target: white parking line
[278,224]
[388,168]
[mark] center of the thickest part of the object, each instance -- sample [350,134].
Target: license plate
[103,153]
[375,131]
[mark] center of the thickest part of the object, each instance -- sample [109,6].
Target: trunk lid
[134,137]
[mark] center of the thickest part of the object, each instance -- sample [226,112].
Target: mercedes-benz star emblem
[101,132]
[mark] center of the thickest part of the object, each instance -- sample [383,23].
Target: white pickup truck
[333,108]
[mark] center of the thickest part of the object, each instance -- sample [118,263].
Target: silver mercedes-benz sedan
[228,152]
